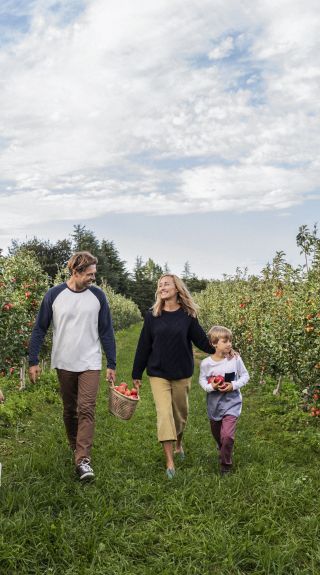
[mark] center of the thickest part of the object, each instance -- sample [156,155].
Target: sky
[182,130]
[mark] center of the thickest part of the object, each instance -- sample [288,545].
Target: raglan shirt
[165,345]
[221,403]
[81,322]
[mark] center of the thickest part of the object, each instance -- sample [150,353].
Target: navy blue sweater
[165,345]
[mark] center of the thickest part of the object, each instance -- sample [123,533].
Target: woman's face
[167,289]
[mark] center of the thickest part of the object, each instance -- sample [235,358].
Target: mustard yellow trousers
[171,397]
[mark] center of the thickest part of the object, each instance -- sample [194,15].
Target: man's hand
[34,373]
[137,384]
[111,375]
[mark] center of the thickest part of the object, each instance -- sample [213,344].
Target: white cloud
[95,112]
[222,50]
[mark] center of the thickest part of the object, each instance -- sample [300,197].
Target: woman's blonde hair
[80,261]
[184,297]
[219,332]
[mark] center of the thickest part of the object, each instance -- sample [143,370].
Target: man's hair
[80,261]
[219,332]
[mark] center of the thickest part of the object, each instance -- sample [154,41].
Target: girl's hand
[215,386]
[226,387]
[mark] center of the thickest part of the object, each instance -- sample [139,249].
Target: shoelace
[85,465]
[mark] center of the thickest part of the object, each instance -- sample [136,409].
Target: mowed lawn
[262,519]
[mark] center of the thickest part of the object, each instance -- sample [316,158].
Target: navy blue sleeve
[143,350]
[43,321]
[199,337]
[105,329]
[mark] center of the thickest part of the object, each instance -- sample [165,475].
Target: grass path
[263,519]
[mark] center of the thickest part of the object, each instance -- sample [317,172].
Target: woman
[165,349]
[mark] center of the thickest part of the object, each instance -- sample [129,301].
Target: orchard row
[22,286]
[275,320]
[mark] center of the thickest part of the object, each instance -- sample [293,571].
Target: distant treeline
[138,285]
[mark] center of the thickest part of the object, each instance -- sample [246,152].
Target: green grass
[262,519]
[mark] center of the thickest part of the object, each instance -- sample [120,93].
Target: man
[81,320]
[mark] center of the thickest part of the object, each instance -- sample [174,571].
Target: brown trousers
[79,394]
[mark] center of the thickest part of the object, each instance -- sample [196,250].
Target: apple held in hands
[223,386]
[215,379]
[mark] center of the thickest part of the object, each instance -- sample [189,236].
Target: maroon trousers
[224,431]
[79,394]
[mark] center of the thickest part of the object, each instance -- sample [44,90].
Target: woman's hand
[232,354]
[137,384]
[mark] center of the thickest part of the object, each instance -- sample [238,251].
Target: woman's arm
[199,337]
[143,350]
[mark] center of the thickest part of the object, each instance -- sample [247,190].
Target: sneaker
[84,470]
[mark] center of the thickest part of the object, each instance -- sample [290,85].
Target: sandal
[181,454]
[170,473]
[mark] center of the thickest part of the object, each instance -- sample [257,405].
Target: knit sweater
[165,345]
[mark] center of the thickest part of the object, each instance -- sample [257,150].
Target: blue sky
[182,131]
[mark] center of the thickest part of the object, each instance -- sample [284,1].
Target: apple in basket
[124,390]
[122,387]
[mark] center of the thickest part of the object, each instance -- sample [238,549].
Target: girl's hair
[80,261]
[219,332]
[184,297]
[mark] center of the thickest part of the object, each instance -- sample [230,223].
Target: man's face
[84,279]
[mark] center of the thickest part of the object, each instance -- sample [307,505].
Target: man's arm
[106,335]
[38,334]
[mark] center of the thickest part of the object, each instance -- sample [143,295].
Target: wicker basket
[120,405]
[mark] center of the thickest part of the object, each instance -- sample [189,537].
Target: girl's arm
[203,379]
[243,376]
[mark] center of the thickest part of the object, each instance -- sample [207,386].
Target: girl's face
[223,345]
[167,289]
